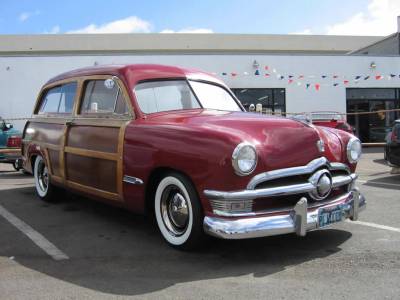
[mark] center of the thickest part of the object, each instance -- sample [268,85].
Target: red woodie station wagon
[177,143]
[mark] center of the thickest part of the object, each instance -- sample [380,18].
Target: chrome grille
[273,188]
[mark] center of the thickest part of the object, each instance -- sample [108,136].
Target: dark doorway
[372,128]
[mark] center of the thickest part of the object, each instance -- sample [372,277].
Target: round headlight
[354,150]
[244,159]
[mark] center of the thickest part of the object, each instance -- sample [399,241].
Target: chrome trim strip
[287,172]
[261,193]
[276,191]
[300,220]
[314,204]
[132,180]
[338,181]
[335,166]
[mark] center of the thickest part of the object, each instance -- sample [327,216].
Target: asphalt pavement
[110,253]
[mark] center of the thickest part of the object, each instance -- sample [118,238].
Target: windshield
[157,96]
[167,95]
[214,97]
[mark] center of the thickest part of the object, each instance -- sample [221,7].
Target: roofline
[181,43]
[375,43]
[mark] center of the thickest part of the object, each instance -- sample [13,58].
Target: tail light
[14,141]
[394,136]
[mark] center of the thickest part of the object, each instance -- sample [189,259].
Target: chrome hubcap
[174,210]
[43,176]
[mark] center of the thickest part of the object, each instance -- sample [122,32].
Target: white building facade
[283,73]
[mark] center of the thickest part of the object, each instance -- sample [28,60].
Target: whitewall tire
[44,189]
[178,212]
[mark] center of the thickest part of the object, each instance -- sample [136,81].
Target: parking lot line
[376,225]
[35,236]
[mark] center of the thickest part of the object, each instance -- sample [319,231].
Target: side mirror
[8,126]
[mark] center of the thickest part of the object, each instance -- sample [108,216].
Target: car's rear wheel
[178,212]
[16,166]
[44,188]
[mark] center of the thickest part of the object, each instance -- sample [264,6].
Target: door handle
[69,123]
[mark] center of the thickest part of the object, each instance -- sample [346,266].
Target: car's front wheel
[44,188]
[178,212]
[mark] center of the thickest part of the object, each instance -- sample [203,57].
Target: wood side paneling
[92,172]
[47,133]
[104,139]
[54,158]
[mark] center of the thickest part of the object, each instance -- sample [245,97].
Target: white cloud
[305,31]
[56,29]
[128,25]
[188,30]
[27,14]
[24,16]
[379,19]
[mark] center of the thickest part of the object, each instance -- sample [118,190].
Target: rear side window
[164,96]
[59,99]
[103,97]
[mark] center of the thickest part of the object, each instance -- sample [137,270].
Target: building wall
[21,77]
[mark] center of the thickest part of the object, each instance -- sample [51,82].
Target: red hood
[280,142]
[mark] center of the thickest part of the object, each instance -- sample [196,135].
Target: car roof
[137,72]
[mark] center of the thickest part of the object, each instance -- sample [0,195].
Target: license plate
[327,216]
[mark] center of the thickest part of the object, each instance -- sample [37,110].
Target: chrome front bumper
[300,219]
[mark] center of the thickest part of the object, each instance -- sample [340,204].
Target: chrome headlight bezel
[350,147]
[236,157]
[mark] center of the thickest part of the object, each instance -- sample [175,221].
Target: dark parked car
[10,144]
[392,148]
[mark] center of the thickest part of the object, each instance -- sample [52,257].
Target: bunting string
[311,81]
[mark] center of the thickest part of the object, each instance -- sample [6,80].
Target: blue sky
[362,17]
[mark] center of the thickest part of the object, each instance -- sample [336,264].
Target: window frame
[78,99]
[44,92]
[107,115]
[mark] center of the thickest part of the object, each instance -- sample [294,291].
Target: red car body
[197,144]
[332,120]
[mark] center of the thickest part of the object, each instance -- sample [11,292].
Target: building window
[372,128]
[272,100]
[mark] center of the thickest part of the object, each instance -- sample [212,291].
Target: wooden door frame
[76,119]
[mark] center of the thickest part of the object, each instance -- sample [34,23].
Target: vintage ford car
[177,143]
[10,144]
